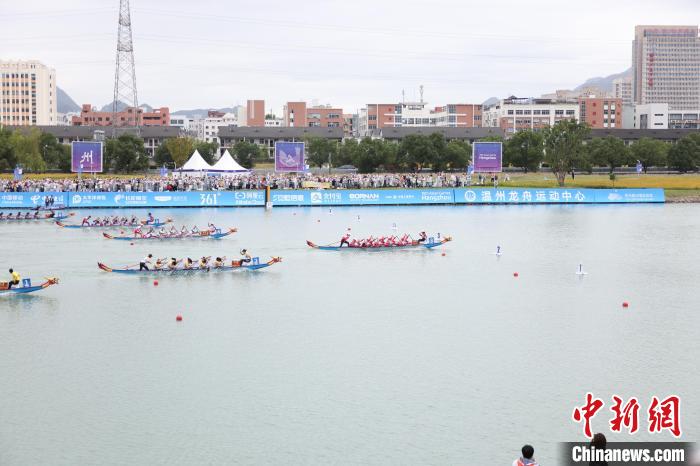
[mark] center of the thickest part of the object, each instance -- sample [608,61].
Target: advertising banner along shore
[332,197]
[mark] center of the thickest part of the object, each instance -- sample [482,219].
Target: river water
[402,357]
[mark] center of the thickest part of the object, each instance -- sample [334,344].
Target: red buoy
[443,254]
[625,304]
[131,244]
[155,282]
[178,318]
[516,274]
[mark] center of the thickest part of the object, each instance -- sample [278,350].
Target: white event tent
[226,164]
[195,165]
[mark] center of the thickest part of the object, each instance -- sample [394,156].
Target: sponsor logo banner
[30,200]
[556,196]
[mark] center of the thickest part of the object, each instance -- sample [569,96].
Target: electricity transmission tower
[125,74]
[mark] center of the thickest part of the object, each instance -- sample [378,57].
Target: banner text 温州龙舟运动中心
[331,197]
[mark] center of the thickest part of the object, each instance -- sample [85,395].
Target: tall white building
[666,66]
[28,94]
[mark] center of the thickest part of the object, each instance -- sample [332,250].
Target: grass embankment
[687,185]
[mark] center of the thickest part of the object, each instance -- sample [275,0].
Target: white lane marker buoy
[358,218]
[394,227]
[498,251]
[580,271]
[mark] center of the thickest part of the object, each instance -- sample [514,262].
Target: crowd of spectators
[239,181]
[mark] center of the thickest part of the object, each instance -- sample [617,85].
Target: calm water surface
[348,358]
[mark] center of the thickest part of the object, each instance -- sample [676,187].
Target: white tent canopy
[196,163]
[227,164]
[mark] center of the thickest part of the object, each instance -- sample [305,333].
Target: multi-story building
[350,125]
[90,116]
[272,121]
[266,137]
[207,129]
[299,115]
[418,114]
[27,93]
[622,89]
[514,114]
[255,113]
[153,136]
[659,116]
[600,112]
[666,66]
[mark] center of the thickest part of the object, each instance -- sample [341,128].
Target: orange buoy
[516,274]
[178,318]
[155,282]
[625,304]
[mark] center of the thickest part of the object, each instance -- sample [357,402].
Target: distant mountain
[604,83]
[201,112]
[121,106]
[64,103]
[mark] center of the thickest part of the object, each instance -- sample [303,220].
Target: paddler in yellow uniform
[14,279]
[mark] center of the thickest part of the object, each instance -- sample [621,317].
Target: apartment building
[601,112]
[514,114]
[27,94]
[130,116]
[418,114]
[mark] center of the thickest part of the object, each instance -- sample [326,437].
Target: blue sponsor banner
[361,197]
[606,196]
[29,200]
[556,196]
[168,199]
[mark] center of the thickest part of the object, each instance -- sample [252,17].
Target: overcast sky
[208,53]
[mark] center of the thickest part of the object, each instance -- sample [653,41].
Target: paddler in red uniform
[344,240]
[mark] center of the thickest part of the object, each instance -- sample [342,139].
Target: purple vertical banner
[86,156]
[289,156]
[487,157]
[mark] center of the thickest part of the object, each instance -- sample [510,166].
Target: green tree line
[564,147]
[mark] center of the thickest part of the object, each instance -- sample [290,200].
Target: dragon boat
[255,264]
[157,223]
[204,234]
[430,243]
[43,216]
[26,287]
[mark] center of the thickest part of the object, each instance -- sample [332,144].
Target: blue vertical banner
[289,156]
[17,173]
[487,157]
[86,156]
